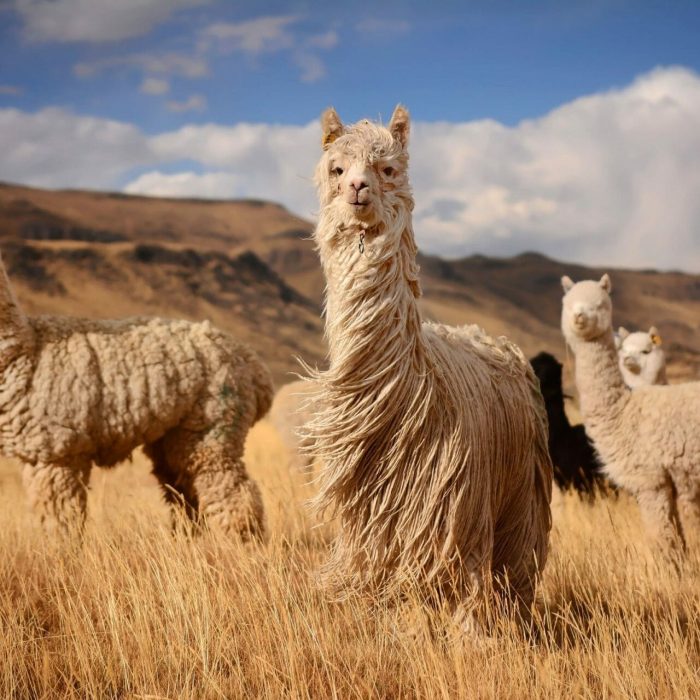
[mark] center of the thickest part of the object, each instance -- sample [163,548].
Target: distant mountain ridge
[251,268]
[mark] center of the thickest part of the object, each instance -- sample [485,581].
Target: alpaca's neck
[601,387]
[14,327]
[556,415]
[373,324]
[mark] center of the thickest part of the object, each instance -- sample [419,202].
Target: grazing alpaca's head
[586,310]
[362,180]
[642,360]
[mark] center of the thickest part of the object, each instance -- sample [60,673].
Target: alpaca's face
[586,310]
[641,357]
[362,177]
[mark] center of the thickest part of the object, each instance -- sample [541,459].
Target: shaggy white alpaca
[642,361]
[433,439]
[289,413]
[649,438]
[74,392]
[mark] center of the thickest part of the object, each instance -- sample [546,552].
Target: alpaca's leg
[57,494]
[689,507]
[230,501]
[177,485]
[225,496]
[660,513]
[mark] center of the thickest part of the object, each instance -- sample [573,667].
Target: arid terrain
[251,268]
[140,611]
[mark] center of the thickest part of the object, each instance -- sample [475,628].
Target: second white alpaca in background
[642,360]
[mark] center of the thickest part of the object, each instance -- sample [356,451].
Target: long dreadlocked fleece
[433,439]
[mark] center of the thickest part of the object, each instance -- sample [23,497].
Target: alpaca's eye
[646,352]
[388,171]
[338,171]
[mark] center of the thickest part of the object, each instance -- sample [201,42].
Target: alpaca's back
[504,433]
[102,387]
[658,428]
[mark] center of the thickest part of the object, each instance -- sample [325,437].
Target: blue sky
[155,97]
[449,61]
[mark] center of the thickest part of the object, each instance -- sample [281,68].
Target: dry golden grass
[138,612]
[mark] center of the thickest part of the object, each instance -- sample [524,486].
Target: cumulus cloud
[194,103]
[609,178]
[56,148]
[95,20]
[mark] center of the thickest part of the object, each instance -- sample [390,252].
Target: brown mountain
[250,267]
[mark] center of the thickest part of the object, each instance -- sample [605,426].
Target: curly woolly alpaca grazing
[289,413]
[648,438]
[642,361]
[433,439]
[74,392]
[575,462]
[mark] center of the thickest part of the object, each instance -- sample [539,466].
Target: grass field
[138,612]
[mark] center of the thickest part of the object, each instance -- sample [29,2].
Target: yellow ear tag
[656,339]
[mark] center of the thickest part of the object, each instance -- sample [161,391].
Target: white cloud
[609,178]
[327,40]
[272,34]
[55,148]
[95,20]
[187,184]
[170,63]
[311,66]
[260,35]
[612,176]
[154,86]
[194,103]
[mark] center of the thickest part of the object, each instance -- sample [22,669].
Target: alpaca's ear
[400,124]
[620,336]
[654,335]
[331,127]
[606,283]
[566,283]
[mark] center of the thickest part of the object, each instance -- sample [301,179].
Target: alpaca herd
[434,447]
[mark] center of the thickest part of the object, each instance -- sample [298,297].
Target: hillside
[250,267]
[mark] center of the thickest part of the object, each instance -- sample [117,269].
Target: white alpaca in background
[649,438]
[433,439]
[642,360]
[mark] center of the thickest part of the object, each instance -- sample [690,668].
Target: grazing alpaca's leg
[57,493]
[177,486]
[208,469]
[660,514]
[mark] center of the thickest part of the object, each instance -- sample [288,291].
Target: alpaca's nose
[579,317]
[631,364]
[359,183]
